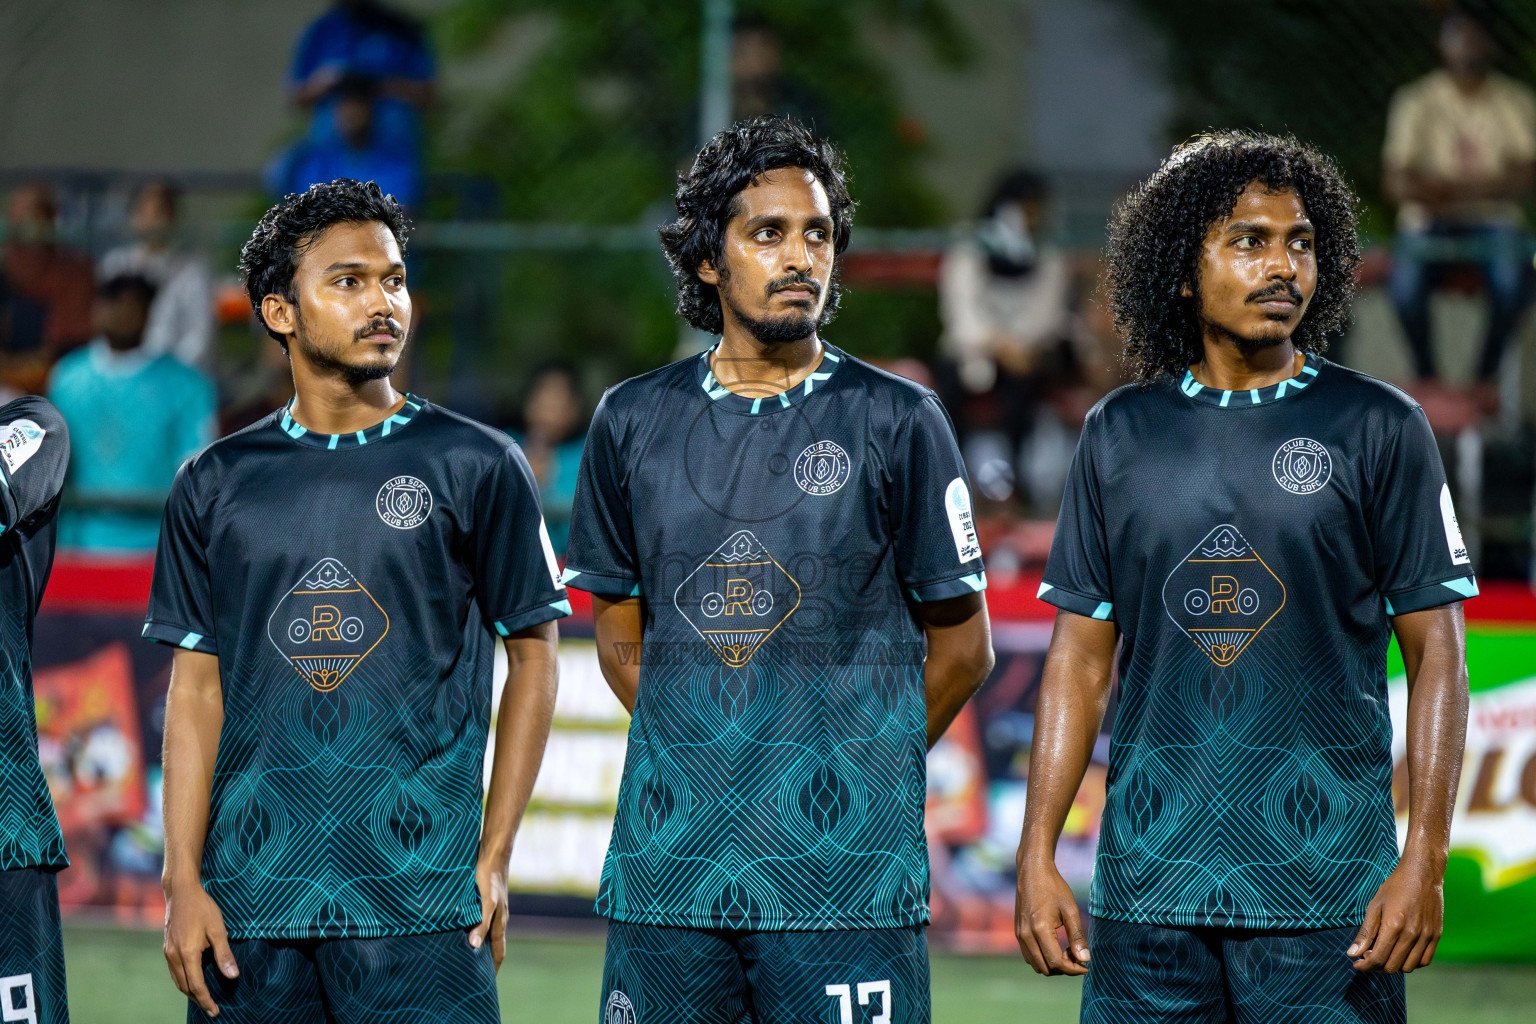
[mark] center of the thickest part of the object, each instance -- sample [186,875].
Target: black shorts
[31,948]
[1151,974]
[655,973]
[437,977]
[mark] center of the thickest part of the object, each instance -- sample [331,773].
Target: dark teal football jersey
[775,775]
[349,585]
[34,456]
[1252,547]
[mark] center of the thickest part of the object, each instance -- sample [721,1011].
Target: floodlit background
[536,144]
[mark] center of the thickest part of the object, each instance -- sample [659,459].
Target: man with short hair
[786,531]
[34,456]
[1251,524]
[330,578]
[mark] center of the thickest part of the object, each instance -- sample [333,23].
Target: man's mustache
[1280,287]
[386,326]
[778,284]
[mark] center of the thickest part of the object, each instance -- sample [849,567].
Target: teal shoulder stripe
[1103,610]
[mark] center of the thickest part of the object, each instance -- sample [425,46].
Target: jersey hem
[600,583]
[178,636]
[955,586]
[794,924]
[1078,604]
[1201,919]
[1431,595]
[373,931]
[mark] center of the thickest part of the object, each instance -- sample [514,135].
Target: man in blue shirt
[136,416]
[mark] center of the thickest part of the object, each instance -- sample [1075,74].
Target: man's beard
[793,325]
[1248,346]
[352,376]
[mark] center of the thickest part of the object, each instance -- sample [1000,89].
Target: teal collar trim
[831,359]
[331,442]
[1259,396]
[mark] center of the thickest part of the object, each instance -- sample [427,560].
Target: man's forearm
[522,730]
[1437,729]
[1074,694]
[194,716]
[948,685]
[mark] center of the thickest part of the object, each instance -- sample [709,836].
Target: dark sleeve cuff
[943,590]
[506,625]
[1431,595]
[600,583]
[178,636]
[1078,604]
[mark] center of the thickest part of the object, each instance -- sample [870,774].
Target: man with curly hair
[786,531]
[1250,523]
[331,579]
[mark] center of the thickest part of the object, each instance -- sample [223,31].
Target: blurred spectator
[181,320]
[1006,302]
[357,150]
[58,279]
[133,415]
[758,85]
[1459,158]
[553,435]
[364,38]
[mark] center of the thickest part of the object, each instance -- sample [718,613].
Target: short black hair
[1157,232]
[119,285]
[268,260]
[1020,185]
[706,200]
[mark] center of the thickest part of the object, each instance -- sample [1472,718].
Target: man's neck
[748,367]
[1228,368]
[329,405]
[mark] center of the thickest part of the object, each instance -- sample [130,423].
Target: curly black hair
[268,260]
[1157,232]
[706,200]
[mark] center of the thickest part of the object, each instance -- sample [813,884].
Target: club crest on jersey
[1222,594]
[327,624]
[618,1009]
[822,468]
[1302,466]
[404,502]
[737,598]
[19,441]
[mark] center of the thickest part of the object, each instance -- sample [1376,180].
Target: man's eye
[1247,243]
[766,235]
[818,236]
[346,282]
[1302,245]
[397,281]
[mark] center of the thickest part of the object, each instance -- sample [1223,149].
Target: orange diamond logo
[327,624]
[1223,594]
[737,598]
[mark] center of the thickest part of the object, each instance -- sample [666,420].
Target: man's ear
[707,272]
[279,314]
[1185,291]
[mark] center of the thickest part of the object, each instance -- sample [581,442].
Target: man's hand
[1044,906]
[1403,922]
[193,923]
[491,880]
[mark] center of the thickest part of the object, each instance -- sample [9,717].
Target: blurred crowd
[125,343]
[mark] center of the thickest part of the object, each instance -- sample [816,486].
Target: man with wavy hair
[787,533]
[1250,523]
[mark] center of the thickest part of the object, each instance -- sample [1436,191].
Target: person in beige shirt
[1459,158]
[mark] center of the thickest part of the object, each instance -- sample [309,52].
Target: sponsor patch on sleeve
[19,441]
[957,503]
[1452,529]
[549,556]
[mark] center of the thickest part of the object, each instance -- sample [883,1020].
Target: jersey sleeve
[1077,571]
[938,555]
[34,458]
[181,594]
[517,583]
[1421,561]
[600,555]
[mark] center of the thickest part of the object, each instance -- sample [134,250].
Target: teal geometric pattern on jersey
[654,973]
[29,829]
[1250,553]
[775,773]
[407,978]
[31,948]
[1150,974]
